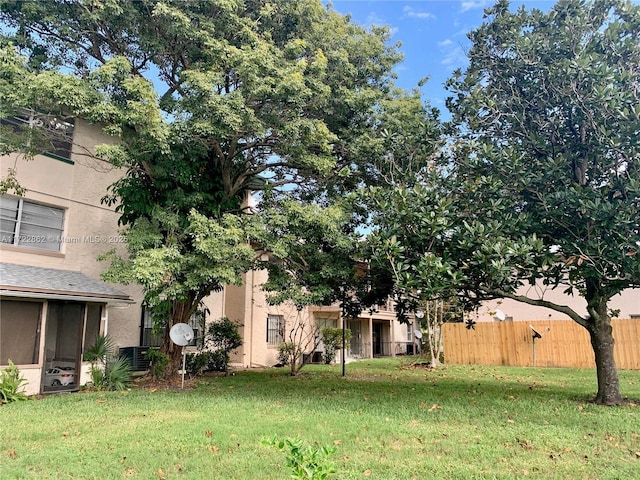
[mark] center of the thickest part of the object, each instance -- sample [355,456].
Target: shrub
[285,352]
[100,350]
[11,384]
[332,339]
[98,354]
[218,361]
[158,362]
[117,373]
[207,361]
[196,363]
[107,370]
[98,378]
[223,336]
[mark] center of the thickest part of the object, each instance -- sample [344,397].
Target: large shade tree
[208,100]
[319,245]
[542,181]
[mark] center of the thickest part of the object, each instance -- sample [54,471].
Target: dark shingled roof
[24,279]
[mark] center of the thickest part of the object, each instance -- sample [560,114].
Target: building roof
[37,282]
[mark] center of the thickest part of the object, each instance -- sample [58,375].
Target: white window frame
[28,234]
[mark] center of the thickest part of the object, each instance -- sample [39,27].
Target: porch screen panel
[92,329]
[19,332]
[69,331]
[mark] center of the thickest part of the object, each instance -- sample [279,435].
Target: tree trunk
[602,342]
[175,355]
[180,313]
[433,316]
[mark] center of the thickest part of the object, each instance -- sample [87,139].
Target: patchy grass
[388,421]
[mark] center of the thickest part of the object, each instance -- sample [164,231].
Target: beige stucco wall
[90,228]
[628,303]
[247,305]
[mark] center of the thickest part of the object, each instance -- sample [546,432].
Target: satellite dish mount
[181,334]
[536,335]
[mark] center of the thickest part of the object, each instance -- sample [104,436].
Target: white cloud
[472,4]
[374,19]
[453,55]
[410,12]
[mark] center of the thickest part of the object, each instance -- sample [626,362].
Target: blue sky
[432,33]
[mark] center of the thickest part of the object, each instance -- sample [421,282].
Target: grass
[387,422]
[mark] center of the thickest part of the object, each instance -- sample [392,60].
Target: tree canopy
[259,88]
[207,101]
[541,177]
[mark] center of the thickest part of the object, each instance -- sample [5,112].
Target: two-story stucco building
[53,303]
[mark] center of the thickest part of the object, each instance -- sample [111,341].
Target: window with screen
[275,329]
[29,224]
[153,338]
[326,323]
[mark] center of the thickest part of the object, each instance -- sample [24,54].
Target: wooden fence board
[564,343]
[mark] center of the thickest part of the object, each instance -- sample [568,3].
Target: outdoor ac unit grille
[137,357]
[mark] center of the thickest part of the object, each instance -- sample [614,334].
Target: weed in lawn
[305,462]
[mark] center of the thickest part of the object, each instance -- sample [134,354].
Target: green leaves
[207,100]
[313,251]
[12,384]
[305,462]
[558,137]
[172,263]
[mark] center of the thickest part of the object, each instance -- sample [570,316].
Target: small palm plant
[108,371]
[97,354]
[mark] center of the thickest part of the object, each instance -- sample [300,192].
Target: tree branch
[571,313]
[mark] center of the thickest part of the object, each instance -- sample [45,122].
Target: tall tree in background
[246,95]
[319,247]
[542,184]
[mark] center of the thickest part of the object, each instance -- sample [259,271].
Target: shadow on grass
[388,382]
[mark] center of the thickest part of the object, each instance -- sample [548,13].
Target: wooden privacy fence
[564,343]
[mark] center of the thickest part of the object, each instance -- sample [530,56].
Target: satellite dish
[419,314]
[536,334]
[418,334]
[500,315]
[181,334]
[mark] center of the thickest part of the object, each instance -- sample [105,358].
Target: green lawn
[387,422]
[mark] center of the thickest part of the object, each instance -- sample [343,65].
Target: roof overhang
[64,296]
[25,281]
